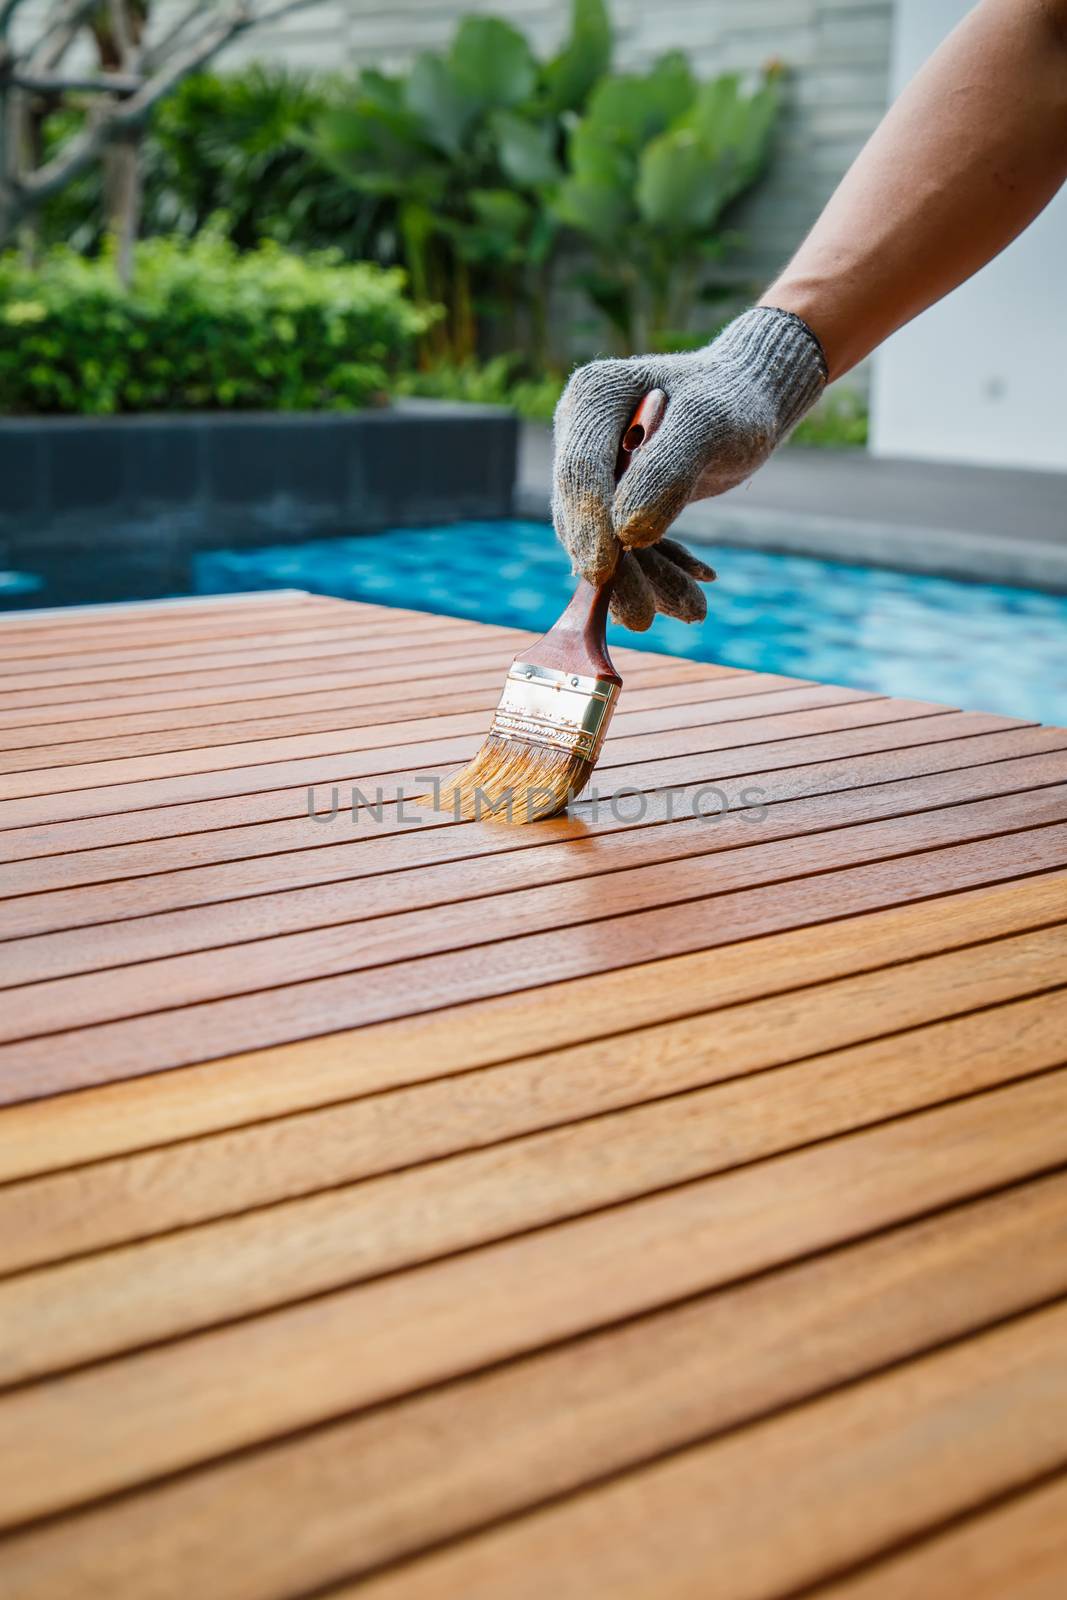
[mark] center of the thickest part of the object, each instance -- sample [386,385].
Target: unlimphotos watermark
[388,807]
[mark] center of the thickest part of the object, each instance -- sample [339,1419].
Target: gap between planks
[183,1036]
[164,1409]
[287,841]
[113,1202]
[311,1511]
[1017,1548]
[850,732]
[865,1468]
[129,1295]
[277,1081]
[428,849]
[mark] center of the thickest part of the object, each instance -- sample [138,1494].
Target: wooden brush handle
[578,642]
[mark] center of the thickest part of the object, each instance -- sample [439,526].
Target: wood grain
[161,1040]
[727,760]
[62,1315]
[66,620]
[26,803]
[669,1199]
[792,1499]
[655,837]
[285,935]
[690,710]
[420,661]
[190,1400]
[125,735]
[276,1081]
[315,1510]
[1018,1549]
[839,773]
[153,641]
[46,1219]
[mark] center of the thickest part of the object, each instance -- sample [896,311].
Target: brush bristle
[512,782]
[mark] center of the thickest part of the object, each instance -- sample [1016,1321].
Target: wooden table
[619,1206]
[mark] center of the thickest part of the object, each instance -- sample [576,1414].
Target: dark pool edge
[108,508]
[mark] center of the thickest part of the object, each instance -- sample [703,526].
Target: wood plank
[311,1512]
[141,898]
[670,711]
[351,639]
[70,1213]
[168,1408]
[183,957]
[187,957]
[100,740]
[327,634]
[277,696]
[94,1123]
[157,634]
[319,1070]
[160,1041]
[781,756]
[1018,1549]
[61,618]
[838,775]
[23,801]
[788,1501]
[425,660]
[86,1309]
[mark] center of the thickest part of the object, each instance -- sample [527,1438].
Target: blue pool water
[978,646]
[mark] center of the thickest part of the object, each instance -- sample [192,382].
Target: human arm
[964,160]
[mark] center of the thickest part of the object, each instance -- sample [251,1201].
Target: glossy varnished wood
[636,1204]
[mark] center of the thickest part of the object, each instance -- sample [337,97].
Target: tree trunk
[123,192]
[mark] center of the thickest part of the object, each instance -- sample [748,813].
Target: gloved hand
[729,405]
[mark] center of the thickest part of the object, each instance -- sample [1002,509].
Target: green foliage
[480,170]
[839,421]
[228,144]
[203,328]
[653,164]
[502,381]
[466,150]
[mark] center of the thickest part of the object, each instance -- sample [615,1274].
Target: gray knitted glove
[729,405]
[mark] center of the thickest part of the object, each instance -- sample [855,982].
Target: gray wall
[837,50]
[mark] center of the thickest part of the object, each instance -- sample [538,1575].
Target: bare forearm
[969,154]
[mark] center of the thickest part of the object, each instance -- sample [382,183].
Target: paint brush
[559,695]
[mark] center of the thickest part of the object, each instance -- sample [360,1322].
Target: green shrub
[838,422]
[203,328]
[226,143]
[503,381]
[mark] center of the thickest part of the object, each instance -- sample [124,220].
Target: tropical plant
[228,143]
[202,327]
[652,165]
[503,380]
[136,68]
[466,149]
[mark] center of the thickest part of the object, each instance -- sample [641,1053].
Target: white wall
[978,377]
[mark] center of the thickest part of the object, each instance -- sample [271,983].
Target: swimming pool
[982,647]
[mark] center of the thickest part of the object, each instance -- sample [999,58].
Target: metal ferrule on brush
[556,710]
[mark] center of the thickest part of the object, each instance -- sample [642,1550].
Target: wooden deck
[624,1206]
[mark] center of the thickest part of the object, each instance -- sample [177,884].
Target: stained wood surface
[666,1200]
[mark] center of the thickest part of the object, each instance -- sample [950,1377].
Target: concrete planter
[114,507]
